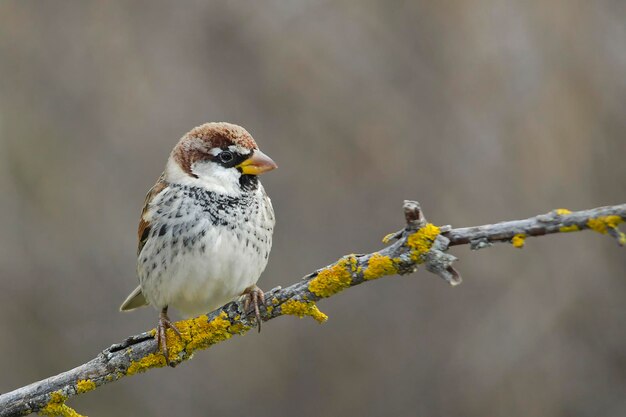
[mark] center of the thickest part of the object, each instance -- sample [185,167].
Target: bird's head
[220,157]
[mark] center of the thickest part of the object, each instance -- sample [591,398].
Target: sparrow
[205,232]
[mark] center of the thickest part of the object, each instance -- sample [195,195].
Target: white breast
[213,248]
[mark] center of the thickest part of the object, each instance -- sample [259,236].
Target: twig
[418,243]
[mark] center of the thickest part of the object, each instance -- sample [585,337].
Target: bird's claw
[253,295]
[161,334]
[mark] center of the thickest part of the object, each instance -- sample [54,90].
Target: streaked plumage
[205,232]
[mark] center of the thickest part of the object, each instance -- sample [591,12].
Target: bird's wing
[144,224]
[136,298]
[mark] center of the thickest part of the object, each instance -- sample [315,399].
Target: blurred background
[482,110]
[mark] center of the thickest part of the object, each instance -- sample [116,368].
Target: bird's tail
[135,300]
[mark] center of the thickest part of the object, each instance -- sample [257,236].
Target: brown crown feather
[197,143]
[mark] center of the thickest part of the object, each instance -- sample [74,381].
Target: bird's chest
[229,230]
[210,249]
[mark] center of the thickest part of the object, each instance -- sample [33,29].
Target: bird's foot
[252,296]
[161,334]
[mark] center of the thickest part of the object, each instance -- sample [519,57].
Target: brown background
[482,110]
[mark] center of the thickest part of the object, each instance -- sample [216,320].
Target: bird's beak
[257,164]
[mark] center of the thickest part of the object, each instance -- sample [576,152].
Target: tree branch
[418,243]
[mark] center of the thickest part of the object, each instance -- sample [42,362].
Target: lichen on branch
[419,243]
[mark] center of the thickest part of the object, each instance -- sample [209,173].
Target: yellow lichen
[421,241]
[389,237]
[604,223]
[379,266]
[238,328]
[202,333]
[518,240]
[303,308]
[56,407]
[196,333]
[335,278]
[85,385]
[153,360]
[567,229]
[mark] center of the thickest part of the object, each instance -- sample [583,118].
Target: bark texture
[418,243]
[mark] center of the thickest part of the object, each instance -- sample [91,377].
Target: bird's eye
[226,156]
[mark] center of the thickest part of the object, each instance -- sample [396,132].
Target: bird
[205,231]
